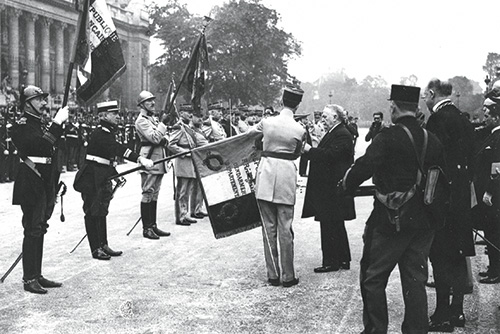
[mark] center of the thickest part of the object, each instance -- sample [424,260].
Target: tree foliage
[248,53]
[491,67]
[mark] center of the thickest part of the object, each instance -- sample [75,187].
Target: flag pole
[73,53]
[184,75]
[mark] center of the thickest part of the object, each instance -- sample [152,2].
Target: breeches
[97,203]
[151,184]
[35,216]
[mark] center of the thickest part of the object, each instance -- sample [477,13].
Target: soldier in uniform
[453,243]
[35,186]
[71,131]
[183,139]
[276,184]
[391,161]
[3,147]
[153,136]
[91,179]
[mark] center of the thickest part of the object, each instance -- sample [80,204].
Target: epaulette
[21,121]
[175,127]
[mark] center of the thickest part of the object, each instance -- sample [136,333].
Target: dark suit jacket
[488,153]
[328,164]
[456,134]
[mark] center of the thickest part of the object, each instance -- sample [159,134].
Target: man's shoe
[100,255]
[46,283]
[490,280]
[345,265]
[325,269]
[150,234]
[183,222]
[190,220]
[440,326]
[111,252]
[274,281]
[293,282]
[458,320]
[198,215]
[34,287]
[160,233]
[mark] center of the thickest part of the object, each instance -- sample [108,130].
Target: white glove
[148,163]
[487,199]
[61,116]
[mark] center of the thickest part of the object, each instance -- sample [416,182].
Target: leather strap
[421,157]
[280,155]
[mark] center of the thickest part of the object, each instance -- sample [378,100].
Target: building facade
[37,36]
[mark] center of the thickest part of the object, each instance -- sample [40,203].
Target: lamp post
[330,96]
[487,82]
[458,99]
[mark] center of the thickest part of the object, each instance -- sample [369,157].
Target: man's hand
[61,116]
[148,163]
[307,147]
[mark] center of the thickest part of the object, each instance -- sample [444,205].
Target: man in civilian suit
[276,184]
[328,164]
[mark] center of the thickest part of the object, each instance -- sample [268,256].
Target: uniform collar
[107,126]
[438,105]
[495,129]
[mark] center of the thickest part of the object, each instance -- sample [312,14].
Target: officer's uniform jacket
[71,132]
[487,161]
[153,136]
[391,161]
[37,144]
[456,134]
[101,153]
[182,139]
[276,177]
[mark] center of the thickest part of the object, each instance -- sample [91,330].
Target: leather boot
[106,249]
[146,215]
[30,260]
[46,283]
[40,255]
[34,287]
[92,233]
[153,210]
[150,234]
[100,255]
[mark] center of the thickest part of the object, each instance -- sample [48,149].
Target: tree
[492,65]
[248,53]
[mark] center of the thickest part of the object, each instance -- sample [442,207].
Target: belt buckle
[49,160]
[114,163]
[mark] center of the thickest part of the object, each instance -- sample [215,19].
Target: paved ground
[191,282]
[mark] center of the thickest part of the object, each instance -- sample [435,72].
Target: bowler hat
[292,96]
[402,93]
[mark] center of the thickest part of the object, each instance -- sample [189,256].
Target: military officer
[35,186]
[91,179]
[391,161]
[183,139]
[153,136]
[276,182]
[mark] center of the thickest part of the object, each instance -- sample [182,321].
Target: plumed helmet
[31,92]
[145,96]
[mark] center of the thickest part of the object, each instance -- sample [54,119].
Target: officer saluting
[35,186]
[91,179]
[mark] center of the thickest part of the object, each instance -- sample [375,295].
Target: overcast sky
[428,38]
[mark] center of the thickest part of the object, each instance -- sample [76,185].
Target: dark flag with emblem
[197,69]
[226,171]
[98,56]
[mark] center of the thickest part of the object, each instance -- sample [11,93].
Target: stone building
[37,36]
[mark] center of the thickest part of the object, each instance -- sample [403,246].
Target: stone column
[2,9]
[59,27]
[14,46]
[45,56]
[30,47]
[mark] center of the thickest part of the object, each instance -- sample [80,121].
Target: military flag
[197,69]
[227,171]
[98,54]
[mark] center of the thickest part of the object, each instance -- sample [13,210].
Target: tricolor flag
[226,171]
[98,55]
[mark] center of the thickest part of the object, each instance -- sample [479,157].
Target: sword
[137,222]
[11,268]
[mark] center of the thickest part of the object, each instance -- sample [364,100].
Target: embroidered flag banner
[226,171]
[99,56]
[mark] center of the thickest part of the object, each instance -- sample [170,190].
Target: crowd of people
[401,229]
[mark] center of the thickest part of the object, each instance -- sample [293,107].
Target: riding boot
[40,255]
[30,258]
[160,233]
[103,231]
[147,222]
[92,232]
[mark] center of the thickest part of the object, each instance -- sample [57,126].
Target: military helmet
[31,92]
[145,96]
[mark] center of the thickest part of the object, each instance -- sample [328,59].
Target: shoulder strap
[421,157]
